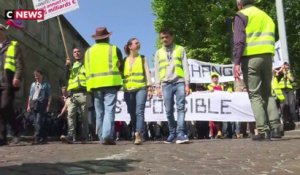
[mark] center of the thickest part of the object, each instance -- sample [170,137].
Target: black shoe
[261,137]
[66,139]
[108,142]
[276,133]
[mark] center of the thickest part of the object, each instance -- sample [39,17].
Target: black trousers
[7,115]
[288,107]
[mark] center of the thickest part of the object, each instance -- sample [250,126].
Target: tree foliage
[205,27]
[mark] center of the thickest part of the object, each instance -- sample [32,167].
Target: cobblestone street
[242,156]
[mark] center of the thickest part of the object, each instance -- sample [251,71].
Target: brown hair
[126,47]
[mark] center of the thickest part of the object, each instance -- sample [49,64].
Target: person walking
[172,80]
[137,87]
[76,102]
[11,71]
[103,62]
[254,37]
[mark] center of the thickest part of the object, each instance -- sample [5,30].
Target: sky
[124,18]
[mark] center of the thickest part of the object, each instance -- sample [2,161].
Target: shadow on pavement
[72,168]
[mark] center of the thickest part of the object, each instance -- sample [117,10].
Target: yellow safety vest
[10,59]
[164,63]
[229,89]
[276,90]
[260,32]
[134,77]
[77,78]
[101,66]
[285,84]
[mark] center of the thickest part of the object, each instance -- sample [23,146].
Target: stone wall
[42,48]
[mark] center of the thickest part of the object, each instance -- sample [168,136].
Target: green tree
[205,28]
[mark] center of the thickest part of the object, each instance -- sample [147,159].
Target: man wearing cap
[103,79]
[254,38]
[11,68]
[172,80]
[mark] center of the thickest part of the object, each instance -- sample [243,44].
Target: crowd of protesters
[88,101]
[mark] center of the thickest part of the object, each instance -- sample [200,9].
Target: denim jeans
[105,105]
[169,91]
[40,125]
[136,107]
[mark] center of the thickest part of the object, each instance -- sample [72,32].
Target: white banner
[200,71]
[54,8]
[277,60]
[200,106]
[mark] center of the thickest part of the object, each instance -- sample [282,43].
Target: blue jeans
[40,125]
[105,105]
[136,107]
[169,91]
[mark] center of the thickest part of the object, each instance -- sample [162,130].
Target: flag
[15,23]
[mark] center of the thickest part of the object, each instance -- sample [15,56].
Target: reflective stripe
[178,65]
[102,74]
[110,59]
[256,34]
[135,81]
[12,57]
[162,61]
[260,43]
[10,61]
[134,74]
[163,67]
[89,60]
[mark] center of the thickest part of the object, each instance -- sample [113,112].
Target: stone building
[42,47]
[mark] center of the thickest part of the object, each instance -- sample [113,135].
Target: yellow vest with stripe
[287,85]
[77,78]
[134,77]
[164,63]
[276,90]
[260,32]
[10,60]
[101,66]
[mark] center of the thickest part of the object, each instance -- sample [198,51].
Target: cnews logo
[24,14]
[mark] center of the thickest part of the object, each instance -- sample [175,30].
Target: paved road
[213,157]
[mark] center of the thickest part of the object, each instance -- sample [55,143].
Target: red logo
[24,14]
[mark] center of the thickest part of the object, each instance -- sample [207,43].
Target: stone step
[297,125]
[293,133]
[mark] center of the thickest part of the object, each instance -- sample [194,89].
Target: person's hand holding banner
[237,72]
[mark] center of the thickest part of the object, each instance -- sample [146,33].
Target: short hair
[39,71]
[166,31]
[245,2]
